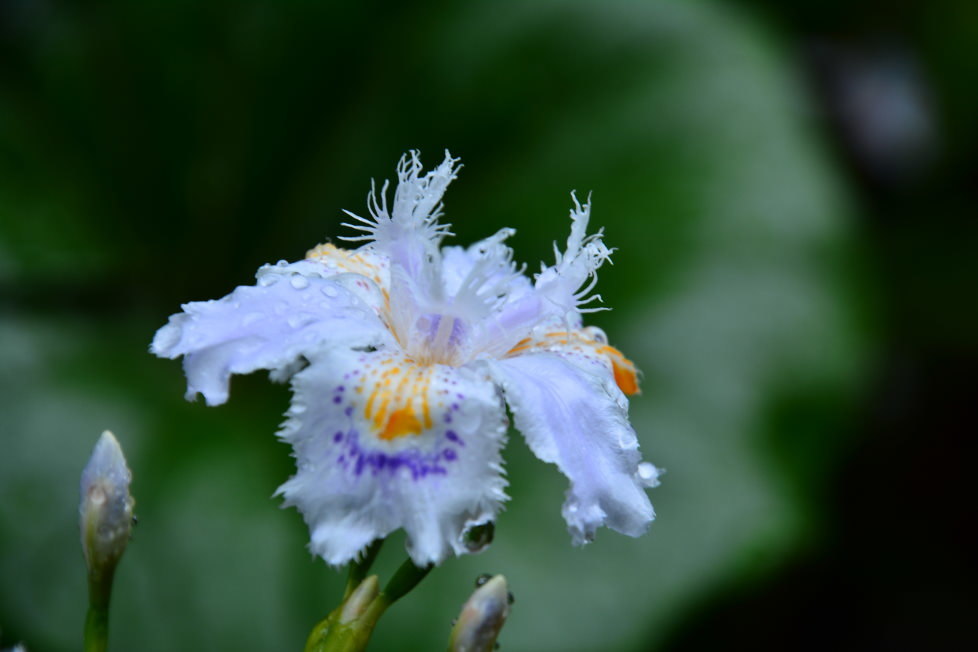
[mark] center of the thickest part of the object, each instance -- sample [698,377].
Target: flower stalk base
[348,627]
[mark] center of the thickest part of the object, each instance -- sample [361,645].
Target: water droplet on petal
[299,282]
[330,291]
[478,539]
[300,320]
[596,334]
[648,473]
[267,279]
[251,318]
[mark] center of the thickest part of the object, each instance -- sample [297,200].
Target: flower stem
[97,618]
[349,627]
[96,629]
[405,579]
[359,569]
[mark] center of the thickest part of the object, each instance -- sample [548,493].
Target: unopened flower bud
[482,617]
[106,506]
[361,598]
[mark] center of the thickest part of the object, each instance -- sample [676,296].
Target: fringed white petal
[572,414]
[567,285]
[408,234]
[294,311]
[382,443]
[485,290]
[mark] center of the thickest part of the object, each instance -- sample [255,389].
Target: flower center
[438,339]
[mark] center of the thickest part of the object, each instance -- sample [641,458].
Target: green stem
[405,579]
[359,569]
[96,630]
[97,618]
[349,627]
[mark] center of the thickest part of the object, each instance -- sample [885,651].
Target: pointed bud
[106,506]
[361,598]
[482,618]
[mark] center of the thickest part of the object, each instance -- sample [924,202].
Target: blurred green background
[791,189]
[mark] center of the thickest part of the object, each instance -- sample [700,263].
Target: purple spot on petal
[380,461]
[340,388]
[348,411]
[338,436]
[337,399]
[451,435]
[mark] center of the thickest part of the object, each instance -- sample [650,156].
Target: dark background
[791,189]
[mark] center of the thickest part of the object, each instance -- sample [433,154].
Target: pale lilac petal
[409,233]
[383,444]
[572,414]
[497,301]
[293,311]
[566,286]
[490,261]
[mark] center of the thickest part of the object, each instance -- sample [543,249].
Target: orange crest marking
[397,398]
[401,422]
[355,262]
[626,375]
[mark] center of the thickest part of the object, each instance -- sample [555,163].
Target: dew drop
[648,473]
[330,291]
[267,279]
[299,282]
[596,334]
[300,320]
[251,318]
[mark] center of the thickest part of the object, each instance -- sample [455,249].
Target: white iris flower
[402,356]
